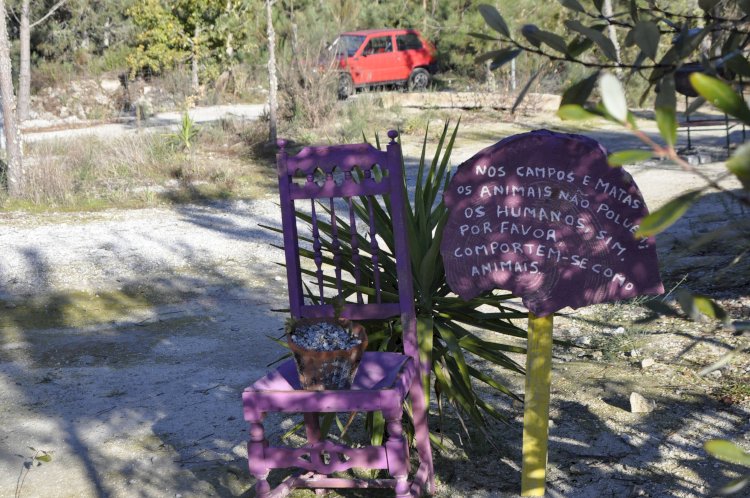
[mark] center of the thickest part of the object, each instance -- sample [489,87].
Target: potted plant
[327,351]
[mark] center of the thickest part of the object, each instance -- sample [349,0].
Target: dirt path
[126,338]
[37,131]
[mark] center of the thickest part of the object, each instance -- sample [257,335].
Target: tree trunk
[194,60]
[24,74]
[273,83]
[14,164]
[24,69]
[607,12]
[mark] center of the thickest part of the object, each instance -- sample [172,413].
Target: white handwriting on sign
[561,217]
[543,215]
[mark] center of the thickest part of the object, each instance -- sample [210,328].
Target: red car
[382,57]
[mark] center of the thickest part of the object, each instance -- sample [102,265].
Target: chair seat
[382,382]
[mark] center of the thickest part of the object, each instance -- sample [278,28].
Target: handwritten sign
[544,216]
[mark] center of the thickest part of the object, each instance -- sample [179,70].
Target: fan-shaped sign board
[544,216]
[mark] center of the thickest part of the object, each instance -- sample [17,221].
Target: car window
[348,44]
[378,45]
[409,41]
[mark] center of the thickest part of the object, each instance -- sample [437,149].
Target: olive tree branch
[670,153]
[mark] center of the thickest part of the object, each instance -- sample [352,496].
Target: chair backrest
[333,205]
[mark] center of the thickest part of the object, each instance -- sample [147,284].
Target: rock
[618,331]
[639,404]
[639,490]
[716,374]
[597,355]
[634,353]
[582,341]
[110,86]
[647,363]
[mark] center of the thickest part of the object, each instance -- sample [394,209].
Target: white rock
[110,85]
[639,404]
[647,362]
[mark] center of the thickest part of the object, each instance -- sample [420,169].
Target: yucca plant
[445,321]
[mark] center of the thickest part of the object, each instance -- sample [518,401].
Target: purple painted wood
[543,215]
[309,457]
[345,178]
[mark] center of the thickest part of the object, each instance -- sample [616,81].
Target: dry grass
[142,169]
[229,158]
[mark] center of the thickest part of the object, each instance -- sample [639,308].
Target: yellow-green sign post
[536,406]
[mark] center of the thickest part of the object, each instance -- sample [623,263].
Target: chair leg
[256,459]
[397,451]
[422,433]
[312,428]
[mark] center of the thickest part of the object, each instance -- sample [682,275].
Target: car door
[376,61]
[412,53]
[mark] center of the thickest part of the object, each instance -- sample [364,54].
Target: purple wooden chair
[326,179]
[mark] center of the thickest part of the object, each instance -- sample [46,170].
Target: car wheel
[346,86]
[419,80]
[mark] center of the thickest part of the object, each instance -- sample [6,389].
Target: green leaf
[573,112]
[666,120]
[666,116]
[536,37]
[739,64]
[579,45]
[613,96]
[623,157]
[710,308]
[720,95]
[646,35]
[46,458]
[580,91]
[739,164]
[529,32]
[498,57]
[456,352]
[668,214]
[494,20]
[556,42]
[727,451]
[572,5]
[735,485]
[377,431]
[604,43]
[695,304]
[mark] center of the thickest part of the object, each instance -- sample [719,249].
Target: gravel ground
[146,402]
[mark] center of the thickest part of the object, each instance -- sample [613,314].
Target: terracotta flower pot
[322,370]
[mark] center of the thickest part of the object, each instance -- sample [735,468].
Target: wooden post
[536,406]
